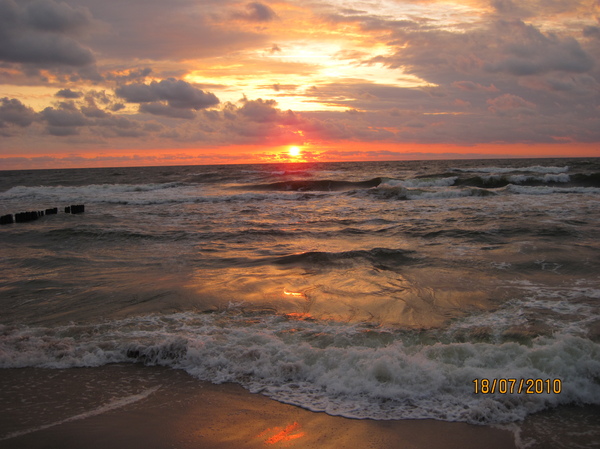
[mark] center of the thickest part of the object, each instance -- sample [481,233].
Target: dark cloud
[508,47]
[93,112]
[13,112]
[64,121]
[63,131]
[63,117]
[166,110]
[527,51]
[188,30]
[114,126]
[260,110]
[177,94]
[508,8]
[256,12]
[129,75]
[592,31]
[138,93]
[68,93]
[44,50]
[87,119]
[369,22]
[101,96]
[42,33]
[47,15]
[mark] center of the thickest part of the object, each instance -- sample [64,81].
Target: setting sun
[294,151]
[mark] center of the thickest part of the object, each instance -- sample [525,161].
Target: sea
[458,290]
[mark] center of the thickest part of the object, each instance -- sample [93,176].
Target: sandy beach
[162,408]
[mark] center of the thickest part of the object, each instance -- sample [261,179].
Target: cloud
[44,50]
[93,112]
[68,93]
[166,110]
[63,117]
[426,71]
[42,33]
[129,75]
[508,8]
[508,104]
[189,30]
[260,110]
[592,31]
[13,112]
[78,160]
[527,51]
[177,94]
[256,12]
[502,47]
[48,15]
[473,87]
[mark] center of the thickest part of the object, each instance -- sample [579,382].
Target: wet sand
[139,407]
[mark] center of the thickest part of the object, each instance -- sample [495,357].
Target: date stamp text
[518,386]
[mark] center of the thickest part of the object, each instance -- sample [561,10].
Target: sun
[294,151]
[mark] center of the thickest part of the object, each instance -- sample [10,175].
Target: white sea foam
[441,189]
[521,179]
[351,371]
[421,182]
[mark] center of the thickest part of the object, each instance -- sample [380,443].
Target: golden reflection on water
[299,316]
[417,297]
[296,294]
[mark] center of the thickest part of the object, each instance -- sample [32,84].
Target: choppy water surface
[370,290]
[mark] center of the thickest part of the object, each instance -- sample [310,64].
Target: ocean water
[366,290]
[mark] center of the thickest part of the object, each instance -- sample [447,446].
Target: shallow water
[379,290]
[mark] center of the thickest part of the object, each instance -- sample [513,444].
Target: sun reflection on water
[295,294]
[282,434]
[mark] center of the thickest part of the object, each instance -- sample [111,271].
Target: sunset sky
[87,83]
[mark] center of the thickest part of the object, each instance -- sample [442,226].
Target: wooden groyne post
[24,217]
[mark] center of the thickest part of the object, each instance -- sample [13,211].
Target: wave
[354,371]
[586,179]
[429,182]
[399,192]
[533,169]
[138,194]
[109,193]
[117,234]
[431,187]
[382,258]
[555,180]
[547,190]
[315,185]
[495,181]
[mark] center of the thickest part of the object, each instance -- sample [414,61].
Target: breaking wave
[353,371]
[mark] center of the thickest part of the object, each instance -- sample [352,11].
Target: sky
[87,83]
